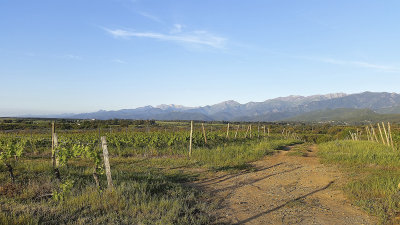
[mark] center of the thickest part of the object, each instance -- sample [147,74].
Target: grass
[374,175]
[237,156]
[148,190]
[143,195]
[300,150]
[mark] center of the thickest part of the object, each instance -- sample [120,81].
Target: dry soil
[284,189]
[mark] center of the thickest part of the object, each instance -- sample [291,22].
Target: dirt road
[284,189]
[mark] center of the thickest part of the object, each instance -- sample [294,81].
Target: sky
[72,56]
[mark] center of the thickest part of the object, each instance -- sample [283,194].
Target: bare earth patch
[284,189]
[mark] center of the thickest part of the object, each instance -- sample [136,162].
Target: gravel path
[284,189]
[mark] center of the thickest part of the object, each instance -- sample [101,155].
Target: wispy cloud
[151,17]
[362,64]
[197,37]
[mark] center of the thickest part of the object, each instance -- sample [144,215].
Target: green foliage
[11,147]
[64,190]
[81,147]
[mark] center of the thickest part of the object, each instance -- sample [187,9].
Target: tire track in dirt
[284,189]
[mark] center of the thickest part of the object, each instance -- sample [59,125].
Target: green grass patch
[148,190]
[374,175]
[143,194]
[236,157]
[300,150]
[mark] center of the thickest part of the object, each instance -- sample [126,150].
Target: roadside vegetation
[373,175]
[151,172]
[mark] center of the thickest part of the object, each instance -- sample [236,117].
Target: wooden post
[351,134]
[374,133]
[380,131]
[366,130]
[247,130]
[369,133]
[55,140]
[250,130]
[53,159]
[95,175]
[390,135]
[106,161]
[258,131]
[237,129]
[264,130]
[191,136]
[386,134]
[227,131]
[204,133]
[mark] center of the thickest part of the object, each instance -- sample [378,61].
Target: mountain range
[290,108]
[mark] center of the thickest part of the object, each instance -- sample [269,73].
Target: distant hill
[389,110]
[345,115]
[282,108]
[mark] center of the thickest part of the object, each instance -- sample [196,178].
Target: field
[153,171]
[374,175]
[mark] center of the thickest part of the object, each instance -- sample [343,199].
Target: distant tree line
[69,124]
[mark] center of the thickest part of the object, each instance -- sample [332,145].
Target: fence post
[373,132]
[386,135]
[227,131]
[53,160]
[204,133]
[55,141]
[380,131]
[106,161]
[390,135]
[237,129]
[368,133]
[250,130]
[191,137]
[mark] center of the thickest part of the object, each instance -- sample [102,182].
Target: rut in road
[284,189]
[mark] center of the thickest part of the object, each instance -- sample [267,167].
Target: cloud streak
[151,17]
[198,37]
[380,67]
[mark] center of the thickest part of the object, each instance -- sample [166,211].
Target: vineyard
[64,176]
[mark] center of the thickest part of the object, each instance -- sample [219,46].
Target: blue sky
[85,55]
